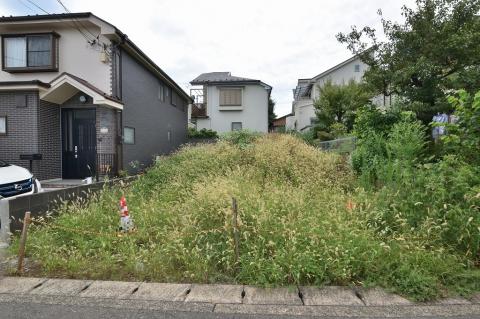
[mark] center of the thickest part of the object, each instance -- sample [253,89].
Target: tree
[271,112]
[435,50]
[337,104]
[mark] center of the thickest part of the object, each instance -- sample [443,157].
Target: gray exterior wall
[31,129]
[151,118]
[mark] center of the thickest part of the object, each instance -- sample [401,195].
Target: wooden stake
[23,242]
[235,229]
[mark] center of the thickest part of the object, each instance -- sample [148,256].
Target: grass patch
[294,223]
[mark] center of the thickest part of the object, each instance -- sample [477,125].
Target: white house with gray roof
[224,103]
[308,90]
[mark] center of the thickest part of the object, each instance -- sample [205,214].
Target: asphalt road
[25,310]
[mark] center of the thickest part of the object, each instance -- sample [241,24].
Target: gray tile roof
[217,77]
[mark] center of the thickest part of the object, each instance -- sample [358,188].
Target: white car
[16,181]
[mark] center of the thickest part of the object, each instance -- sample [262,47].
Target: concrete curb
[228,299]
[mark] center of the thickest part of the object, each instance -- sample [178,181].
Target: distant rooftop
[216,77]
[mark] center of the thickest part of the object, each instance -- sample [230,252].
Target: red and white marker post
[125,222]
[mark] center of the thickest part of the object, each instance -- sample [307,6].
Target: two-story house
[225,103]
[78,93]
[308,90]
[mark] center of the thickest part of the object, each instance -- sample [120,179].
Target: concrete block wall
[13,210]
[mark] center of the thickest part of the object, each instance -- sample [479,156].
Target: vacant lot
[298,223]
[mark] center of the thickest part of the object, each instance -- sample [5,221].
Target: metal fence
[341,145]
[106,165]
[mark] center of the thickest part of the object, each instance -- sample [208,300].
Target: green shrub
[309,136]
[203,133]
[324,136]
[436,201]
[382,157]
[338,130]
[241,138]
[370,119]
[463,137]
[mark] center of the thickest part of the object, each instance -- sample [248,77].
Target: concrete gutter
[229,299]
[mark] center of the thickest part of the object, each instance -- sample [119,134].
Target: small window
[30,52]
[357,67]
[174,99]
[236,126]
[128,135]
[21,100]
[230,97]
[3,125]
[161,93]
[168,93]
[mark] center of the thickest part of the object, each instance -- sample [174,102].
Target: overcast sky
[276,41]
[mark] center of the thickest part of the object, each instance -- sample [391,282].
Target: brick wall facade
[21,127]
[36,128]
[106,139]
[49,141]
[30,130]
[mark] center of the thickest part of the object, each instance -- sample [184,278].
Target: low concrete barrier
[4,223]
[13,210]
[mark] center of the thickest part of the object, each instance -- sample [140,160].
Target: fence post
[23,241]
[235,229]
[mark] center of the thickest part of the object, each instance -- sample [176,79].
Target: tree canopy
[436,50]
[271,112]
[338,103]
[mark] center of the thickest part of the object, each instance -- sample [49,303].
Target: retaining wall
[13,210]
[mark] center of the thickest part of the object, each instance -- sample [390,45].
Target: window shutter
[230,97]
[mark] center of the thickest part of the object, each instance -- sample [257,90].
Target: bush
[203,133]
[241,138]
[381,157]
[338,130]
[411,194]
[294,226]
[308,136]
[370,119]
[463,137]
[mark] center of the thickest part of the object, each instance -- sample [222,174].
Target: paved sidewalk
[227,299]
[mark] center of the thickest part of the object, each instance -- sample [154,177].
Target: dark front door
[79,143]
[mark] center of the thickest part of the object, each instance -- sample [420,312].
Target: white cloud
[272,40]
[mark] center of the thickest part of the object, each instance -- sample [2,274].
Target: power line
[27,6]
[38,6]
[79,22]
[45,11]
